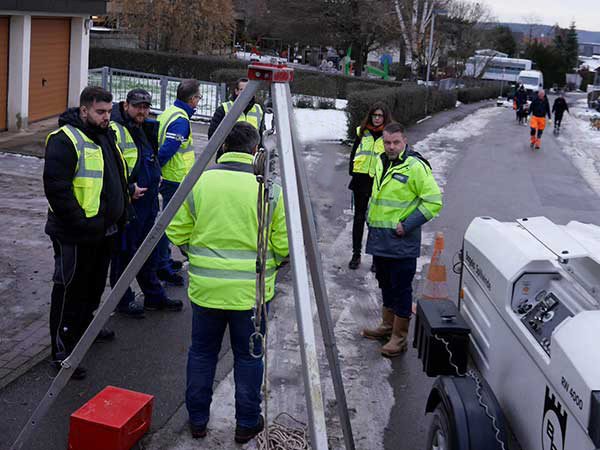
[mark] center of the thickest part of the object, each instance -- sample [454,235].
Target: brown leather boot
[384,330]
[398,342]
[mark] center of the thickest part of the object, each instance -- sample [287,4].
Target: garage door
[3,70]
[49,67]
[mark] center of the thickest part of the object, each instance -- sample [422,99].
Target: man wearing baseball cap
[137,138]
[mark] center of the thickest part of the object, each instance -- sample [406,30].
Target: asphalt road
[491,172]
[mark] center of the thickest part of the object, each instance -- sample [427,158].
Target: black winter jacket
[144,137]
[539,108]
[67,221]
[560,106]
[219,115]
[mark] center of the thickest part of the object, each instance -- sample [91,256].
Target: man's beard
[99,127]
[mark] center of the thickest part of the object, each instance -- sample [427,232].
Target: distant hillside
[538,30]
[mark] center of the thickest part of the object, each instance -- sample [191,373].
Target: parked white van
[532,81]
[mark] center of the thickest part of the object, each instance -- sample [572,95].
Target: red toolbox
[115,419]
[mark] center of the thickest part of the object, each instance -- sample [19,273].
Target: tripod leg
[310,365]
[320,289]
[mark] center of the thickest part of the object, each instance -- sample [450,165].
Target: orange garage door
[49,67]
[3,70]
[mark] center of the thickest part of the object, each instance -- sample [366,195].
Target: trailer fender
[472,429]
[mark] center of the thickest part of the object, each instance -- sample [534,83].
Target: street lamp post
[430,52]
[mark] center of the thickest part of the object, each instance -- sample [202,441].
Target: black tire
[440,435]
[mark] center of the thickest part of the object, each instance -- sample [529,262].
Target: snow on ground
[313,125]
[582,143]
[443,146]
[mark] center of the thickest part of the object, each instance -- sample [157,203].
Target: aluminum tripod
[301,233]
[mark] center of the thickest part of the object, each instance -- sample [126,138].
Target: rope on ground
[284,437]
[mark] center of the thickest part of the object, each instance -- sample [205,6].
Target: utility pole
[430,53]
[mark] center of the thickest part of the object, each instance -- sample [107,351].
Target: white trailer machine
[530,295]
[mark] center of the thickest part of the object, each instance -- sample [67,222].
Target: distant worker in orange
[539,109]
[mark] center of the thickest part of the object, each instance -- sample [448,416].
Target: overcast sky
[585,13]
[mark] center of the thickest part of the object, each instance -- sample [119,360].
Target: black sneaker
[166,304]
[243,434]
[170,278]
[354,262]
[133,309]
[198,431]
[78,374]
[105,335]
[176,265]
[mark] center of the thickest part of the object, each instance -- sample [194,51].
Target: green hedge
[475,94]
[180,66]
[406,103]
[219,69]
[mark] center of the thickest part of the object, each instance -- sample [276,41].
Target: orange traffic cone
[436,282]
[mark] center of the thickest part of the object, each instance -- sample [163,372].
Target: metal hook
[260,336]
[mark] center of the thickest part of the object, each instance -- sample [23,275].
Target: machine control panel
[544,317]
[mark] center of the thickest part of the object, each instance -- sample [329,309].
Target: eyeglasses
[376,115]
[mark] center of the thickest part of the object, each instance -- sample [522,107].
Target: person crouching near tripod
[539,108]
[405,196]
[218,226]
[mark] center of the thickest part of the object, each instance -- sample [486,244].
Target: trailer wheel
[440,435]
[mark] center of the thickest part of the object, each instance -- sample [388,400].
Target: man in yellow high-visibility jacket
[253,113]
[405,196]
[218,225]
[176,158]
[85,183]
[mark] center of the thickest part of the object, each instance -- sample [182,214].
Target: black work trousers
[80,273]
[361,203]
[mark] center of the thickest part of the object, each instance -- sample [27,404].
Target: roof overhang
[69,7]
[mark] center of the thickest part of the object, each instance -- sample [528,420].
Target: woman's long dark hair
[387,116]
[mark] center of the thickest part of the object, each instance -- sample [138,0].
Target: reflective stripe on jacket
[406,193]
[127,146]
[218,224]
[367,153]
[254,116]
[89,173]
[180,164]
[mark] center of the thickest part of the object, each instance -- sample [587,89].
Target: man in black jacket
[558,108]
[253,113]
[137,137]
[538,109]
[86,187]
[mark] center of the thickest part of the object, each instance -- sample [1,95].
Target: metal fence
[163,89]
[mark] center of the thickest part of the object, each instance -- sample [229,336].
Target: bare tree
[186,26]
[466,29]
[414,17]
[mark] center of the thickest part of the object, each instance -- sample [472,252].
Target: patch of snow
[340,103]
[320,124]
[581,142]
[458,103]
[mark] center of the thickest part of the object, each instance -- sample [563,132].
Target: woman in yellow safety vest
[367,147]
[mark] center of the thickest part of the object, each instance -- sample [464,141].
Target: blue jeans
[167,189]
[395,278]
[208,328]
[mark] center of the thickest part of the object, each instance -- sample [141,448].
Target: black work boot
[167,304]
[354,262]
[132,309]
[105,335]
[198,431]
[78,374]
[243,434]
